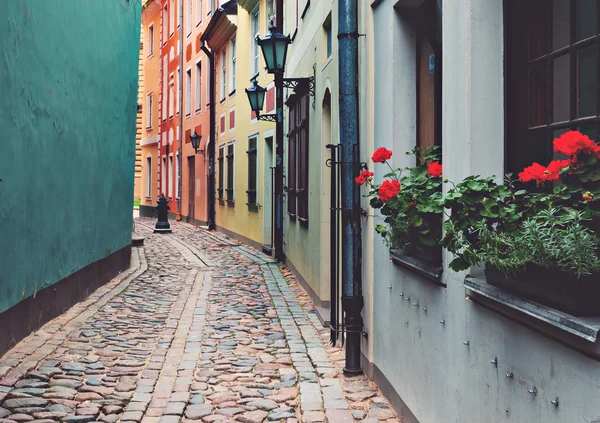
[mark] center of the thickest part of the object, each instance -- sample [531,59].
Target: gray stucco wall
[438,377]
[68,77]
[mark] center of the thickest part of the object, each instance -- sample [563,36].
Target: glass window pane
[589,129]
[586,19]
[537,94]
[587,81]
[538,28]
[561,14]
[556,134]
[561,89]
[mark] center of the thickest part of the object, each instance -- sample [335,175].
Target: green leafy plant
[410,200]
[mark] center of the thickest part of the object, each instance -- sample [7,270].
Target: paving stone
[79,419]
[381,413]
[175,408]
[4,412]
[230,411]
[24,402]
[21,417]
[257,416]
[197,399]
[197,411]
[359,414]
[264,404]
[313,416]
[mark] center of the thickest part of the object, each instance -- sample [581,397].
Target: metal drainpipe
[180,88]
[278,188]
[212,140]
[352,299]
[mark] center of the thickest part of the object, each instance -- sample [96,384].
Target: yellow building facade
[244,145]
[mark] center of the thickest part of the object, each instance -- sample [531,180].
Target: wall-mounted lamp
[195,139]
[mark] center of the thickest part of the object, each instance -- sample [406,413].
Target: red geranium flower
[388,190]
[555,166]
[538,173]
[381,155]
[363,177]
[572,143]
[435,169]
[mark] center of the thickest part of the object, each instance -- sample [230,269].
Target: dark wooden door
[192,189]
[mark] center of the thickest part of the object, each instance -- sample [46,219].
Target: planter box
[562,291]
[430,255]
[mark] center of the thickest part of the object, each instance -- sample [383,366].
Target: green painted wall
[68,97]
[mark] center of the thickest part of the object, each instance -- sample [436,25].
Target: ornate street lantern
[256,97]
[274,48]
[195,139]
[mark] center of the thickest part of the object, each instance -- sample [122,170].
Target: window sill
[303,222]
[305,10]
[253,207]
[221,201]
[232,93]
[420,267]
[579,333]
[230,203]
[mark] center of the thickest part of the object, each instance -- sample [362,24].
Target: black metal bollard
[162,226]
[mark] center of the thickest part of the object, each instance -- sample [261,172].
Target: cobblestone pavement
[200,329]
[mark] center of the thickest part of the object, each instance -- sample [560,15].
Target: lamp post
[274,48]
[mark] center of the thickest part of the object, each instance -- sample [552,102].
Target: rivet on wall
[533,391]
[443,322]
[466,343]
[425,309]
[416,304]
[510,375]
[495,362]
[554,402]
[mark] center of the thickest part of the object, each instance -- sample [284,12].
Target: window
[328,40]
[232,59]
[230,172]
[551,77]
[188,92]
[188,18]
[254,49]
[150,40]
[165,28]
[198,12]
[297,174]
[170,172]
[163,98]
[252,173]
[198,98]
[221,171]
[163,177]
[223,74]
[172,18]
[149,110]
[270,14]
[178,176]
[148,176]
[178,95]
[171,99]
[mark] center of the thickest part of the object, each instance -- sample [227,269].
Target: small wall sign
[431,63]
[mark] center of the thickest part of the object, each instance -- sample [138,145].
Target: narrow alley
[199,327]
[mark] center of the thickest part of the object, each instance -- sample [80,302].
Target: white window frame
[170,181]
[223,74]
[163,177]
[198,87]
[178,169]
[165,23]
[149,176]
[172,18]
[254,49]
[199,12]
[165,88]
[149,101]
[188,91]
[150,40]
[178,95]
[171,97]
[232,64]
[188,18]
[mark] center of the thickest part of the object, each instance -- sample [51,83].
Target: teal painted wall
[68,98]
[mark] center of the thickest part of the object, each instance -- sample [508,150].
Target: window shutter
[291,174]
[252,200]
[221,174]
[230,148]
[303,160]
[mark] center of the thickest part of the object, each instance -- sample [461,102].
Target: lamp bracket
[306,83]
[270,117]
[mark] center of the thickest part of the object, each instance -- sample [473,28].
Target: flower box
[560,290]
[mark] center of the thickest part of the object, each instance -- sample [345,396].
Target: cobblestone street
[200,328]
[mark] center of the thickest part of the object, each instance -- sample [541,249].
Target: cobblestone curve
[200,329]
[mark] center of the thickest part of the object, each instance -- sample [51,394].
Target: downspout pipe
[352,299]
[180,129]
[212,140]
